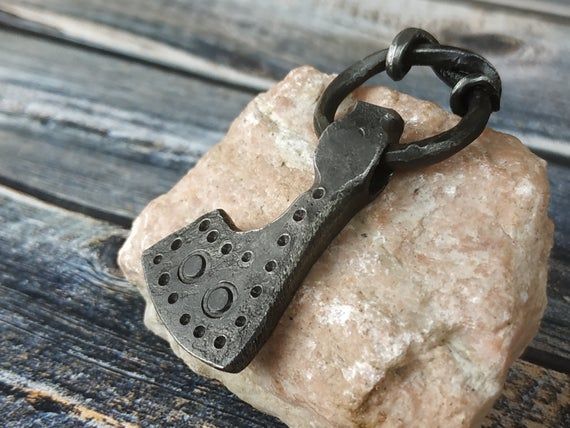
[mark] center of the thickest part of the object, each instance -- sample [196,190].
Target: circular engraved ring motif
[219,299]
[192,268]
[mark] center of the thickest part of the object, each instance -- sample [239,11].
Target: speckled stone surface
[415,312]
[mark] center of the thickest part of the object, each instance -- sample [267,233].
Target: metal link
[461,92]
[476,93]
[397,64]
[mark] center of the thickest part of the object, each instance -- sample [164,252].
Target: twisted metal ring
[476,93]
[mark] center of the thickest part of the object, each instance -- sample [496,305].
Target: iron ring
[476,94]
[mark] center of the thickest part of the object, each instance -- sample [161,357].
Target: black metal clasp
[220,291]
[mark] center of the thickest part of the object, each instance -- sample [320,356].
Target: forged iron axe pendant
[220,291]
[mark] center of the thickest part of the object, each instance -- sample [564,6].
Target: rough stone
[414,314]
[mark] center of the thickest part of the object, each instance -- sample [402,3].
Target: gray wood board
[103,136]
[98,134]
[266,39]
[75,351]
[74,347]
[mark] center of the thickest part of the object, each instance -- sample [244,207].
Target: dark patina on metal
[476,92]
[220,291]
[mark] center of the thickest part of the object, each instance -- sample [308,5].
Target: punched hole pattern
[219,342]
[299,214]
[176,244]
[246,257]
[199,331]
[204,225]
[318,193]
[240,321]
[283,240]
[212,236]
[164,278]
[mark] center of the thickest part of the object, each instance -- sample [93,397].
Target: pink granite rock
[414,314]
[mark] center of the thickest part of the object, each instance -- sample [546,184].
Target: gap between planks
[128,45]
[549,9]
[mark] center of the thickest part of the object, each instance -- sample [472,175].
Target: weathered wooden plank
[73,344]
[266,39]
[551,8]
[120,43]
[535,397]
[106,143]
[550,346]
[75,350]
[74,123]
[144,126]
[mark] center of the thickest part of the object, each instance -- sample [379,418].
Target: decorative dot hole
[176,244]
[212,236]
[157,259]
[185,319]
[299,214]
[255,291]
[173,298]
[204,225]
[219,342]
[246,257]
[270,266]
[164,278]
[226,248]
[199,331]
[283,240]
[240,321]
[318,193]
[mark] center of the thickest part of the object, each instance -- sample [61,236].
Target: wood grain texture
[535,397]
[551,8]
[551,347]
[74,124]
[266,39]
[106,143]
[103,130]
[75,351]
[74,346]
